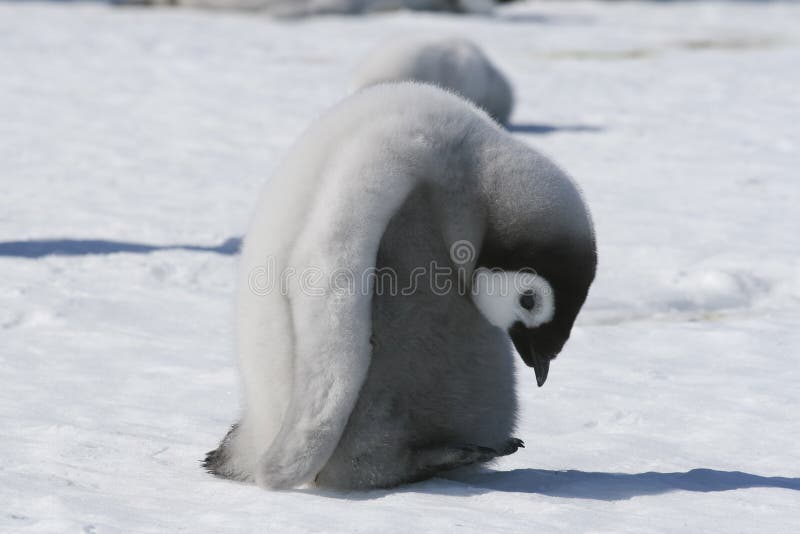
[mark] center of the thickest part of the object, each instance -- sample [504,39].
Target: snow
[125,132]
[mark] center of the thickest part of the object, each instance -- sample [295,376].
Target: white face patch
[507,297]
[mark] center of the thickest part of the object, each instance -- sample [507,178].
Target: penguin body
[451,63]
[352,384]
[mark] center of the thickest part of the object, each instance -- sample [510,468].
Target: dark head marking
[568,265]
[527,301]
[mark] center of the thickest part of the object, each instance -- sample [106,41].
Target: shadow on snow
[621,486]
[543,129]
[581,484]
[38,248]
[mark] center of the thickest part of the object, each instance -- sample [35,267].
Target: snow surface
[125,132]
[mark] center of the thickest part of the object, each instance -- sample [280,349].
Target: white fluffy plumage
[452,63]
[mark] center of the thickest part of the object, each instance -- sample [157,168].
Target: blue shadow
[573,484]
[538,18]
[38,248]
[620,486]
[544,129]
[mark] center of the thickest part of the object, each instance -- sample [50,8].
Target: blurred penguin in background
[300,8]
[451,63]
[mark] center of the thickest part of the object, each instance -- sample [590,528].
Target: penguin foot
[470,454]
[434,460]
[380,468]
[512,446]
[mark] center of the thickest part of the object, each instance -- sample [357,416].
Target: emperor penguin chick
[404,245]
[451,63]
[303,8]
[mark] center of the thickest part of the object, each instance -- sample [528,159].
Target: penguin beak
[523,341]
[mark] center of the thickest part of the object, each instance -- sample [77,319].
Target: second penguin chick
[451,63]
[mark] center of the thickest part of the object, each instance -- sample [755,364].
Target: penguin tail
[219,462]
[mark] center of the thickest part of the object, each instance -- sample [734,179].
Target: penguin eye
[527,301]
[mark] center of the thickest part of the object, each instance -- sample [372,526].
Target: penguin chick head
[535,301]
